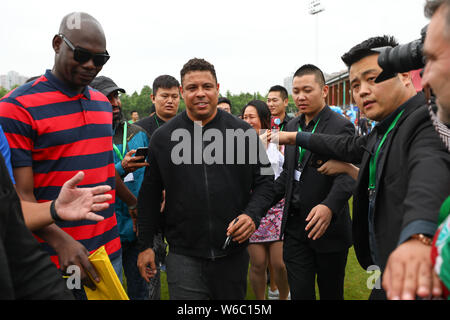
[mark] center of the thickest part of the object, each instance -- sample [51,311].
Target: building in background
[11,79]
[287,83]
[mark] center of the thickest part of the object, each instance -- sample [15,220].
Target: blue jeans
[137,287]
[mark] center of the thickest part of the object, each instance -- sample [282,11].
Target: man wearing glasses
[58,125]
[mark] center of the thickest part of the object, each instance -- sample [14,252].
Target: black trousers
[303,264]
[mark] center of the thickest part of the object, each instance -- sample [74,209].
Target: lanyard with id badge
[302,151]
[374,158]
[129,177]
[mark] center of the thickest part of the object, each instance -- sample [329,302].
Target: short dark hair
[263,112]
[282,90]
[365,49]
[131,112]
[197,64]
[431,6]
[165,82]
[224,100]
[309,69]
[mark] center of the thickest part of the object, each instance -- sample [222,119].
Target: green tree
[142,102]
[137,102]
[3,91]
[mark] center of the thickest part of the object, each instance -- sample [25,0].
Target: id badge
[297,175]
[129,177]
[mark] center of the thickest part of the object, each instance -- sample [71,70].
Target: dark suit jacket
[414,179]
[316,188]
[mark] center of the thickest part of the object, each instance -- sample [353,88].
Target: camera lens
[402,58]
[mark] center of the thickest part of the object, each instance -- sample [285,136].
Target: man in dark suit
[404,175]
[316,221]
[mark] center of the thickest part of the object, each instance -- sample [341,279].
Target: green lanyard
[374,158]
[124,143]
[303,150]
[156,119]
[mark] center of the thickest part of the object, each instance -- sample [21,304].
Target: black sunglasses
[82,55]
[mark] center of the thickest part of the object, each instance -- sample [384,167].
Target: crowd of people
[204,194]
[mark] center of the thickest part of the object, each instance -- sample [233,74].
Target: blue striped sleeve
[6,152]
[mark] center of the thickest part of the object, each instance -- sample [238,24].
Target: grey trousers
[191,278]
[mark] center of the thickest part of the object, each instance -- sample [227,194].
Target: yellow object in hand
[109,287]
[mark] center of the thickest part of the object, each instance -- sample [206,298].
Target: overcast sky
[253,44]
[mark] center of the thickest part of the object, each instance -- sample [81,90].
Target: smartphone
[143,151]
[275,123]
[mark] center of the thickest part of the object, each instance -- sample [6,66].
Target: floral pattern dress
[270,227]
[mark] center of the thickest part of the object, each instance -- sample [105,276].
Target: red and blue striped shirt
[58,132]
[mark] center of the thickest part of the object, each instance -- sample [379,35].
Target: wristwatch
[422,238]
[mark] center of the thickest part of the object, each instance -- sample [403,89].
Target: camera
[402,58]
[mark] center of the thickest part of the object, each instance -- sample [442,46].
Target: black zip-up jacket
[203,194]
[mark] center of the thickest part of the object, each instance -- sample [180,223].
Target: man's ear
[181,92]
[325,91]
[405,78]
[56,43]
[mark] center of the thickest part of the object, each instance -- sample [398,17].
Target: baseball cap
[105,85]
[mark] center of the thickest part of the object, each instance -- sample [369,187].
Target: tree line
[141,102]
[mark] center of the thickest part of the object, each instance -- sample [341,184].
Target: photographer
[401,280]
[404,174]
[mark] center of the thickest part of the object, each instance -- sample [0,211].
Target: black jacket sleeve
[429,176]
[149,202]
[340,147]
[262,188]
[343,184]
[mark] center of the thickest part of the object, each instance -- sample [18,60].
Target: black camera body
[402,58]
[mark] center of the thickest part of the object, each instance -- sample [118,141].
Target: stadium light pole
[314,9]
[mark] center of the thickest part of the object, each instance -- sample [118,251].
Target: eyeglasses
[82,55]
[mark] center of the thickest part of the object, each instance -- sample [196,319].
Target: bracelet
[132,207]
[423,238]
[53,212]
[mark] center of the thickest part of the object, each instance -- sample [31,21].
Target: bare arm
[72,204]
[69,251]
[335,167]
[124,193]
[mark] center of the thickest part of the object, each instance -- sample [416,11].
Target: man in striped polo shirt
[58,125]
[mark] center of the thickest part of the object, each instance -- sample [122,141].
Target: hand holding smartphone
[143,151]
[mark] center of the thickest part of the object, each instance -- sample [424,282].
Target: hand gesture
[283,137]
[75,203]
